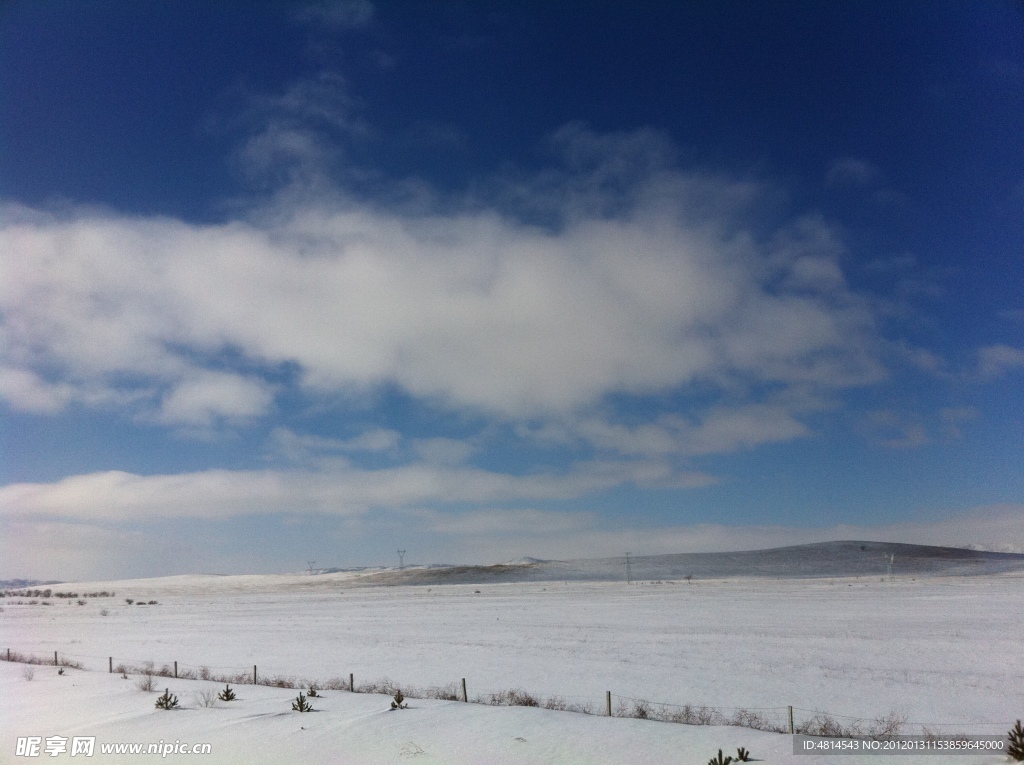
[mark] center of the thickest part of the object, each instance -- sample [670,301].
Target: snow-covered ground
[943,651]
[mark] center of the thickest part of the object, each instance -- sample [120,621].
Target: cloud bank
[470,309]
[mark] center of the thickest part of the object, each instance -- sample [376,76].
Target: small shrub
[152,603]
[141,603]
[167,700]
[60,671]
[104,612]
[80,602]
[742,755]
[514,697]
[1016,748]
[206,698]
[28,672]
[145,683]
[398,702]
[279,681]
[313,693]
[719,760]
[301,705]
[336,684]
[129,601]
[227,694]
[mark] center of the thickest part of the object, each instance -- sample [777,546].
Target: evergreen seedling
[301,705]
[313,693]
[397,703]
[1016,748]
[719,760]
[167,701]
[227,694]
[742,755]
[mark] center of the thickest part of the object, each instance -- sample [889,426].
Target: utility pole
[310,562]
[629,573]
[892,557]
[401,558]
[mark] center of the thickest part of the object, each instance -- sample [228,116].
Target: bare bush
[205,698]
[335,684]
[888,726]
[513,697]
[145,683]
[280,681]
[385,686]
[28,672]
[448,692]
[827,726]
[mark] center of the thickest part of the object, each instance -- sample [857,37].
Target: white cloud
[525,522]
[721,430]
[297,447]
[470,310]
[338,13]
[894,430]
[996,360]
[205,396]
[851,171]
[336,488]
[28,392]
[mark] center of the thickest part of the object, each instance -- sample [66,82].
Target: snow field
[944,652]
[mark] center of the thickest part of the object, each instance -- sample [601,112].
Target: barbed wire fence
[778,719]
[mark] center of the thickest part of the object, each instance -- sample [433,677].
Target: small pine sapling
[60,671]
[398,702]
[1016,748]
[742,755]
[301,705]
[167,701]
[313,692]
[719,760]
[227,694]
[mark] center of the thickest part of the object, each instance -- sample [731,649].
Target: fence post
[608,702]
[55,658]
[254,674]
[464,696]
[175,670]
[351,683]
[110,664]
[8,654]
[791,720]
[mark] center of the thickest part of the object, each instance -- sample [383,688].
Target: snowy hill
[812,561]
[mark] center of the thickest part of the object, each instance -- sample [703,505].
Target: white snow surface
[943,651]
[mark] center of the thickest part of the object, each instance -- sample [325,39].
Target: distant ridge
[810,561]
[20,584]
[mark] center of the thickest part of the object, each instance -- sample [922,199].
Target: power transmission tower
[401,558]
[629,573]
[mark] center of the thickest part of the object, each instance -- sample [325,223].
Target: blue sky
[284,282]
